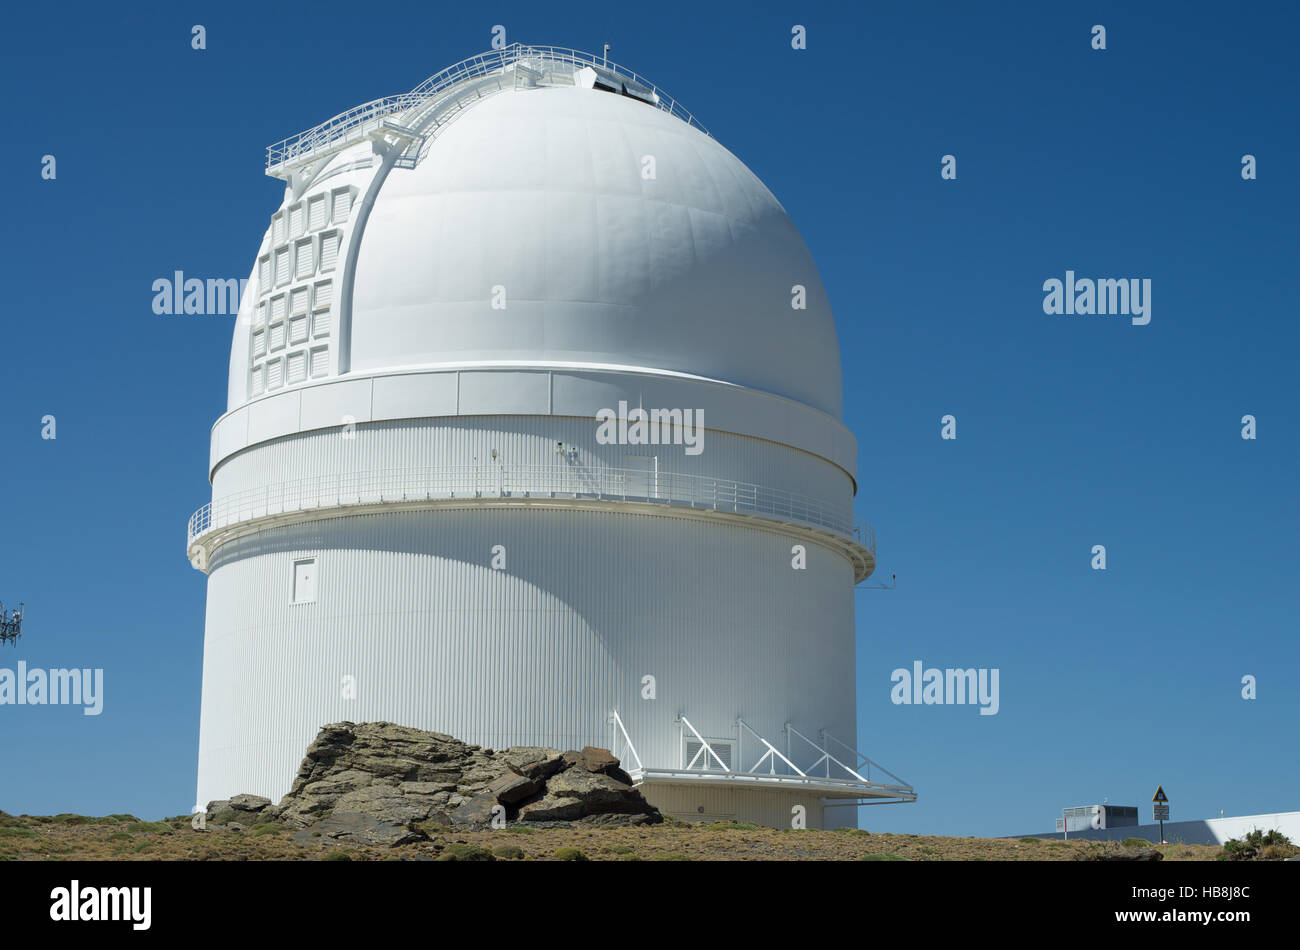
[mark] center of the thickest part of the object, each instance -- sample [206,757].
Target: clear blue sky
[1072,431]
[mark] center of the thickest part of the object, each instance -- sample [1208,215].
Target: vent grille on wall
[306,259]
[300,252]
[317,209]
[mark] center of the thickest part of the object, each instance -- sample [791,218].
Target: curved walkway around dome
[559,485]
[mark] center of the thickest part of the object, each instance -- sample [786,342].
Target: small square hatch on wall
[304,581]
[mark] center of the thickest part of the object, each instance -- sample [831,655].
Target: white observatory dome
[421,512]
[548,195]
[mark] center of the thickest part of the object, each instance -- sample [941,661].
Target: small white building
[421,512]
[1211,831]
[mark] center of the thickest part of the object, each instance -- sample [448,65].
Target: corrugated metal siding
[589,604]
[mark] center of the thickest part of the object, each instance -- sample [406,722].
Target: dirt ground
[126,838]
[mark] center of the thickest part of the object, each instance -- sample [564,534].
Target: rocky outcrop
[379,783]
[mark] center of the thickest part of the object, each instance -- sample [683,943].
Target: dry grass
[125,838]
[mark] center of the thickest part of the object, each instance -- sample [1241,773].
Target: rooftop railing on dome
[526,481]
[361,120]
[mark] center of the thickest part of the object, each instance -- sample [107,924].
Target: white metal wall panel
[538,653]
[728,409]
[519,441]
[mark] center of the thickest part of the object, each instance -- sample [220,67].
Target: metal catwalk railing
[705,764]
[362,120]
[558,480]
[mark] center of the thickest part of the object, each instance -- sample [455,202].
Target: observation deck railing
[350,489]
[362,120]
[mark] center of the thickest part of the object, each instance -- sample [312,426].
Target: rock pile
[378,783]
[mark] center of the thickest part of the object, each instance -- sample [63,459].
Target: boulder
[249,803]
[512,788]
[535,762]
[592,759]
[553,808]
[376,782]
[579,794]
[478,810]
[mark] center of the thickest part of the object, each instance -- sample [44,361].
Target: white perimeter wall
[539,653]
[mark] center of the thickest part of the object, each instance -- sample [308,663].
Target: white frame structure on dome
[418,116]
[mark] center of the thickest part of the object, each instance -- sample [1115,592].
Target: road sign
[1160,796]
[1161,812]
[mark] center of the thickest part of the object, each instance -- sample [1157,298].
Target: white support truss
[704,746]
[770,756]
[622,749]
[826,756]
[838,784]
